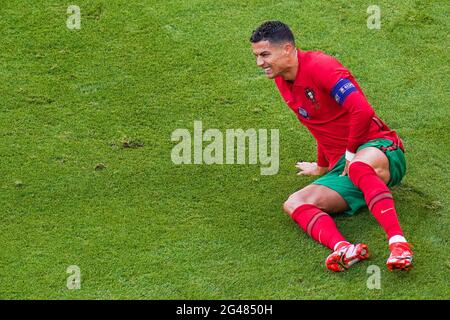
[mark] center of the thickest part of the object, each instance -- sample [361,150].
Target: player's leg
[323,197]
[308,207]
[370,172]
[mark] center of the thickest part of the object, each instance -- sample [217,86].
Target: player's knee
[296,200]
[354,171]
[289,205]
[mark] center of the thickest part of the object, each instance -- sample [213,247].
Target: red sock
[318,225]
[377,195]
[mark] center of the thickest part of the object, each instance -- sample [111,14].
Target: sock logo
[383,211]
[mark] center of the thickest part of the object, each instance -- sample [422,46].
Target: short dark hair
[273,31]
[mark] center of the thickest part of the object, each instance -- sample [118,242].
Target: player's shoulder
[318,59]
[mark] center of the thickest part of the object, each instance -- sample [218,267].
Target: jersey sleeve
[331,76]
[322,160]
[327,71]
[361,114]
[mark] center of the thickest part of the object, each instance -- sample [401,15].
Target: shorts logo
[303,113]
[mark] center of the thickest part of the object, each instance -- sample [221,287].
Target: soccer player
[358,156]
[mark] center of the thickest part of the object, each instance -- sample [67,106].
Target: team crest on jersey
[311,96]
[303,113]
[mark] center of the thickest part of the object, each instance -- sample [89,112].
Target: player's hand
[310,169]
[345,172]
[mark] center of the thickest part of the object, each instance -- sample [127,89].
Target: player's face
[273,58]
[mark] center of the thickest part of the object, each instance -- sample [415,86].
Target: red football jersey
[327,99]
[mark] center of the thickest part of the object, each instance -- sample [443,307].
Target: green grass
[140,227]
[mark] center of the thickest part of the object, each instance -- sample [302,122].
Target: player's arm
[322,160]
[361,114]
[314,168]
[310,169]
[334,78]
[348,96]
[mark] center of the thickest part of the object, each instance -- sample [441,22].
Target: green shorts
[345,187]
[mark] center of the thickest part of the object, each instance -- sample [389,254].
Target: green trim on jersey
[345,187]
